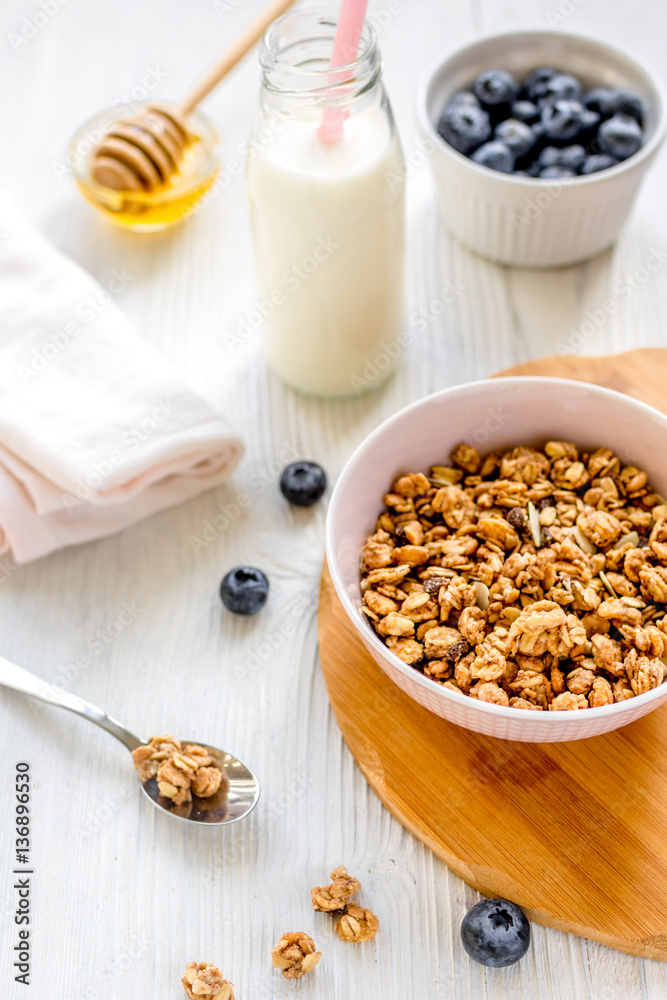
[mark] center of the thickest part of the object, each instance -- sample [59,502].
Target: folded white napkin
[96,430]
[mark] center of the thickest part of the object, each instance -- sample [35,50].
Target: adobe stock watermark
[494,420]
[7,570]
[283,803]
[95,818]
[85,312]
[273,642]
[228,513]
[224,7]
[245,153]
[380,19]
[128,613]
[533,207]
[271,807]
[415,159]
[130,439]
[134,949]
[152,78]
[292,279]
[624,289]
[376,368]
[33,23]
[97,641]
[557,16]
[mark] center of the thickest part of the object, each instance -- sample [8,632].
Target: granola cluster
[181,771]
[205,980]
[295,955]
[338,894]
[357,924]
[532,577]
[354,923]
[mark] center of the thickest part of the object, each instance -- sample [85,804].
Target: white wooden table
[123,897]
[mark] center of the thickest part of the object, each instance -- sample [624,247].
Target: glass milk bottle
[328,217]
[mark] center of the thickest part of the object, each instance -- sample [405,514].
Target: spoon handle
[233,54]
[22,680]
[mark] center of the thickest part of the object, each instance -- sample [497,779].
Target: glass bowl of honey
[173,201]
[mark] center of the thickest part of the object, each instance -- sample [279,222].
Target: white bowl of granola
[520,594]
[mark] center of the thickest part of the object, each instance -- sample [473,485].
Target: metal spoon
[227,806]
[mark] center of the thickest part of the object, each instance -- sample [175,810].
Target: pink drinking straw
[345,49]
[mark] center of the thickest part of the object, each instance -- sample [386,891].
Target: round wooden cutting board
[575,833]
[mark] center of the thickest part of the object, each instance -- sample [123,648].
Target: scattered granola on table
[337,895]
[205,980]
[357,924]
[295,955]
[181,770]
[534,578]
[354,923]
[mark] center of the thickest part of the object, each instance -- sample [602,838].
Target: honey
[149,211]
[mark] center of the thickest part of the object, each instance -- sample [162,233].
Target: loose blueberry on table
[303,483]
[547,127]
[495,932]
[244,590]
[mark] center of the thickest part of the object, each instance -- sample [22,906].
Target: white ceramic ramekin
[532,222]
[496,413]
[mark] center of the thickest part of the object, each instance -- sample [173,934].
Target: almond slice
[584,543]
[632,538]
[605,580]
[482,594]
[534,524]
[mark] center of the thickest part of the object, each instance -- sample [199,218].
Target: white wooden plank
[123,897]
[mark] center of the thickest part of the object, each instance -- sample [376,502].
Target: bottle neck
[295,58]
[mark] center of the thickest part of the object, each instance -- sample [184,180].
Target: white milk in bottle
[327,217]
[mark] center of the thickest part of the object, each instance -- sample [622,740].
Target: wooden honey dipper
[141,152]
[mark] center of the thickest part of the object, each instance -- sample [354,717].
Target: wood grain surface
[121,898]
[639,373]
